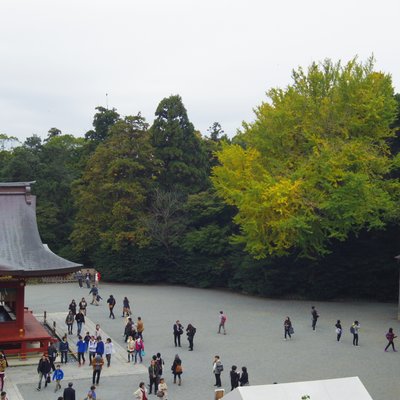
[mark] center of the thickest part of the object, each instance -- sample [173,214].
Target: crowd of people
[98,353]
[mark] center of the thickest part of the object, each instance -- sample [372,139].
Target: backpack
[352,330]
[223,319]
[219,368]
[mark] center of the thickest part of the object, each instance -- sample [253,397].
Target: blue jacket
[58,375]
[100,348]
[81,345]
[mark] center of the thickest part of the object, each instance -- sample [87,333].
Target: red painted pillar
[20,315]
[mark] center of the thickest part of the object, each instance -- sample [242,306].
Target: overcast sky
[59,58]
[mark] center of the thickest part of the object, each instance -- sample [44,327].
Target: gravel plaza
[254,339]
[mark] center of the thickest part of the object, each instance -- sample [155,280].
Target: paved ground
[254,339]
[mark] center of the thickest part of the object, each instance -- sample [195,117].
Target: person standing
[72,307]
[222,320]
[111,304]
[190,332]
[69,392]
[234,377]
[97,331]
[80,320]
[109,350]
[244,377]
[354,329]
[69,320]
[3,366]
[141,393]
[390,336]
[58,376]
[177,369]
[97,278]
[100,346]
[3,396]
[153,376]
[130,348]
[79,276]
[287,326]
[81,347]
[314,317]
[217,370]
[178,330]
[139,349]
[94,292]
[92,349]
[97,363]
[140,327]
[83,306]
[160,364]
[86,339]
[162,390]
[87,279]
[43,370]
[339,330]
[52,354]
[64,349]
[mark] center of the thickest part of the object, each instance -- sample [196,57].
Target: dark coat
[69,394]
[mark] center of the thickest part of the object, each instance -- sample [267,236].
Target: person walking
[109,350]
[244,377]
[52,354]
[140,327]
[69,392]
[339,330]
[64,349]
[222,320]
[3,366]
[126,308]
[234,377]
[80,320]
[153,376]
[287,326]
[111,304]
[58,376]
[81,347]
[92,349]
[178,331]
[72,307]
[83,306]
[390,336]
[69,320]
[162,391]
[141,393]
[128,330]
[97,331]
[177,369]
[43,370]
[94,292]
[314,317]
[86,339]
[139,349]
[190,332]
[354,329]
[217,370]
[97,364]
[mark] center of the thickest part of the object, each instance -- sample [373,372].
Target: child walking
[58,376]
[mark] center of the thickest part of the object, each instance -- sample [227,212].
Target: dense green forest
[301,202]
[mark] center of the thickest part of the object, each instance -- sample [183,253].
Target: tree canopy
[314,165]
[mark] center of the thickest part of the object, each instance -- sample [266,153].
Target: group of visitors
[354,329]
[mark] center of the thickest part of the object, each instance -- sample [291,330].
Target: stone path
[254,339]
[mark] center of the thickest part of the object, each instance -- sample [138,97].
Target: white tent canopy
[329,389]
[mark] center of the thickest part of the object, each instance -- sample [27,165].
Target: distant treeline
[302,202]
